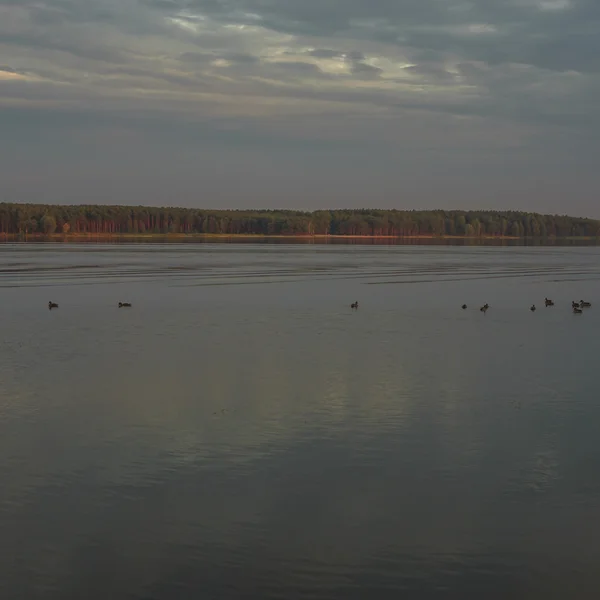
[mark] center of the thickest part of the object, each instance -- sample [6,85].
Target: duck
[577,311]
[532,309]
[124,305]
[464,306]
[484,307]
[585,304]
[548,302]
[52,305]
[575,304]
[354,305]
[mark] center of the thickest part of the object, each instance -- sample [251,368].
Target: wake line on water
[475,278]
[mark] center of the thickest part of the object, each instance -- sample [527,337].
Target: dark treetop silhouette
[104,219]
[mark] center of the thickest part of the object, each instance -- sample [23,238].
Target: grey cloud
[181,80]
[287,66]
[197,58]
[327,53]
[244,66]
[559,39]
[300,68]
[239,58]
[366,71]
[166,5]
[433,71]
[76,47]
[425,32]
[354,55]
[318,17]
[51,12]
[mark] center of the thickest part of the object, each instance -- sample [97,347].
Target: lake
[240,432]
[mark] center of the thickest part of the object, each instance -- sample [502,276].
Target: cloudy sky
[302,103]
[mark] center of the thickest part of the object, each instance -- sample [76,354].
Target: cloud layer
[398,102]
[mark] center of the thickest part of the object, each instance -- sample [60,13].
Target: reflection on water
[247,440]
[94,239]
[233,264]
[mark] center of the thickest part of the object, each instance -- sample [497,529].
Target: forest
[46,219]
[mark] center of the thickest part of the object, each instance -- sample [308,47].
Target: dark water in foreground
[241,433]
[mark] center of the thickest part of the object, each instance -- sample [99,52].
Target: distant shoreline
[145,223]
[74,237]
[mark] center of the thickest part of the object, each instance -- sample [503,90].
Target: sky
[306,104]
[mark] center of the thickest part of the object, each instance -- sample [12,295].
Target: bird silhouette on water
[52,305]
[576,306]
[124,305]
[354,304]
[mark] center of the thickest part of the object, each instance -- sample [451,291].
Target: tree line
[107,220]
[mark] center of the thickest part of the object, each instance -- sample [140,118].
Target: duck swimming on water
[354,304]
[585,304]
[548,302]
[577,311]
[532,309]
[124,304]
[52,305]
[464,306]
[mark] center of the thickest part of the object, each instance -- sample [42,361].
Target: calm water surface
[241,433]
